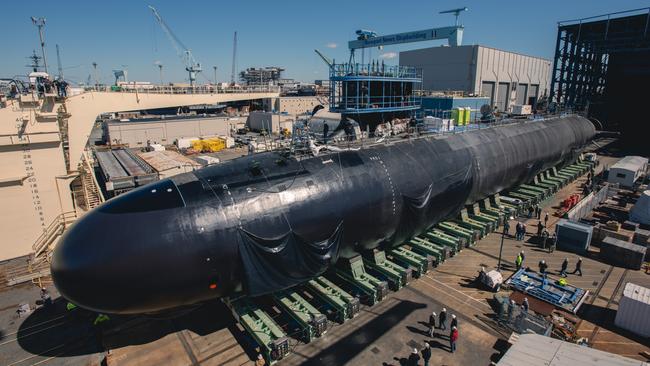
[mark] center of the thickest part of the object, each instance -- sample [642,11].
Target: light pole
[506,224]
[160,67]
[95,73]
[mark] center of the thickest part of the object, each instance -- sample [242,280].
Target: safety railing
[202,89]
[375,70]
[52,233]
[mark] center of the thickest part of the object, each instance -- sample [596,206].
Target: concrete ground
[383,334]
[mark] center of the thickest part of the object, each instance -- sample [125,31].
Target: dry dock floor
[383,334]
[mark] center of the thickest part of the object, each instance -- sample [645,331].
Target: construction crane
[367,39]
[234,60]
[324,58]
[456,12]
[191,66]
[58,61]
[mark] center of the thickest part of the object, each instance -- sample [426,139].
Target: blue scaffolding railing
[374,88]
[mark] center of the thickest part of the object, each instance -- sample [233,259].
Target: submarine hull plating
[265,222]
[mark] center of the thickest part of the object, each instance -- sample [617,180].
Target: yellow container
[197,145]
[468,114]
[455,115]
[214,144]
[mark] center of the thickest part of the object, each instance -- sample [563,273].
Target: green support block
[421,264]
[448,247]
[486,208]
[273,342]
[355,274]
[345,305]
[542,192]
[451,228]
[312,321]
[461,242]
[396,275]
[425,247]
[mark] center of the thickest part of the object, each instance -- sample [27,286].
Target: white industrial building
[539,350]
[272,123]
[627,170]
[507,78]
[633,312]
[136,133]
[294,105]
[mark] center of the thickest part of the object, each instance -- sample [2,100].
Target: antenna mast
[58,60]
[234,59]
[40,24]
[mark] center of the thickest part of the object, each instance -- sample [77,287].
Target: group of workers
[46,86]
[436,321]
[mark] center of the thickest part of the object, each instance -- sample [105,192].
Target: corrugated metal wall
[634,310]
[478,69]
[165,132]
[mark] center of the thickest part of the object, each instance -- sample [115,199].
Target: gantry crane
[367,38]
[191,66]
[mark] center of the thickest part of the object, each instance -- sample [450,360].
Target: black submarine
[267,222]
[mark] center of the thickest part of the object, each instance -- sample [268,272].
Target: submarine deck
[382,334]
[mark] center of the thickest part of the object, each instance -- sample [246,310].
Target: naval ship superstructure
[46,180]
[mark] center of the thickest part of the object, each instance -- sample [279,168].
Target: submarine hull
[267,222]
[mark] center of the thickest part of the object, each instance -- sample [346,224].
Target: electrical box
[572,236]
[522,110]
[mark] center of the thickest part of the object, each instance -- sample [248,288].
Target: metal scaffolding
[583,51]
[374,88]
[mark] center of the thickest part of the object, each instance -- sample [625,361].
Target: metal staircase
[38,266]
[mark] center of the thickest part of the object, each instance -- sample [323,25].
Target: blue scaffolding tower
[374,88]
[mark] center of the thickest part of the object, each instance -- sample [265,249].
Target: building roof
[637,293]
[630,163]
[538,350]
[477,45]
[173,119]
[165,160]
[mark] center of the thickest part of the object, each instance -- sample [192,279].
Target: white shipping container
[185,142]
[522,109]
[207,160]
[156,147]
[230,142]
[634,310]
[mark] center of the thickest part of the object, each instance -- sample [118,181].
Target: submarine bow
[267,222]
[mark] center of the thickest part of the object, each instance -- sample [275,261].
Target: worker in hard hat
[565,265]
[260,360]
[426,353]
[443,319]
[46,298]
[414,358]
[432,323]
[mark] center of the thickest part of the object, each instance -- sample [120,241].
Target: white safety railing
[202,89]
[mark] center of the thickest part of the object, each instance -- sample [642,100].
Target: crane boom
[324,58]
[185,54]
[454,34]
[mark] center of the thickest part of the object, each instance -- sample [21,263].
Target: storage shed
[622,253]
[573,236]
[627,170]
[634,310]
[641,211]
[538,350]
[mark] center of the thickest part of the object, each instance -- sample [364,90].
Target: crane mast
[191,65]
[58,60]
